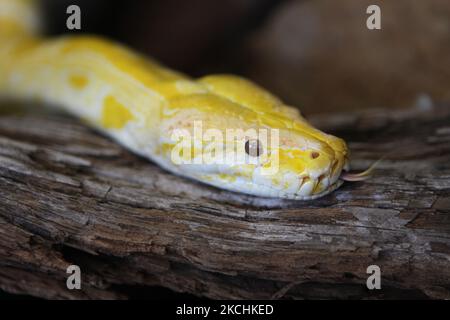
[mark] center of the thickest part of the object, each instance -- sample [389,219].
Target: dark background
[316,55]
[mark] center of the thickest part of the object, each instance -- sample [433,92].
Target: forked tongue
[360,176]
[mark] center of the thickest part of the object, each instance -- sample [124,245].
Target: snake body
[140,103]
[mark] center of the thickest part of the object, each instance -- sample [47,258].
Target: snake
[141,104]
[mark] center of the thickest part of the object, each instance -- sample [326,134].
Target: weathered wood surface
[71,196]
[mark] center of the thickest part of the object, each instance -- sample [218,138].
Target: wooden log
[70,196]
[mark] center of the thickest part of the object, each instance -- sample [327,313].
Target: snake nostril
[315,154]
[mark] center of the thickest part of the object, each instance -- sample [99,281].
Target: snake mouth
[333,186]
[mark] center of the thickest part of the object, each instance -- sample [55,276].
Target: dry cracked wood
[70,196]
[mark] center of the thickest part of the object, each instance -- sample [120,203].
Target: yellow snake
[140,104]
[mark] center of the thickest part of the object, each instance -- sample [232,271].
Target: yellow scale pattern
[136,101]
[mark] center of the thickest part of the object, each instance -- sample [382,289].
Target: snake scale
[140,104]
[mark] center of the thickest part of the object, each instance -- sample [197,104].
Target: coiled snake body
[139,103]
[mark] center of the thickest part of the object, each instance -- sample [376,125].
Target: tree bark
[70,196]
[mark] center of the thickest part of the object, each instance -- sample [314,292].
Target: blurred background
[317,55]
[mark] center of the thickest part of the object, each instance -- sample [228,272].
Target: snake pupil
[253,148]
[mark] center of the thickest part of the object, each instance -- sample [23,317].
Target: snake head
[306,163]
[272,151]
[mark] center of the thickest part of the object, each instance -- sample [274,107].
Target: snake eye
[253,148]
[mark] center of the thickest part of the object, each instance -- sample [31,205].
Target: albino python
[140,103]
